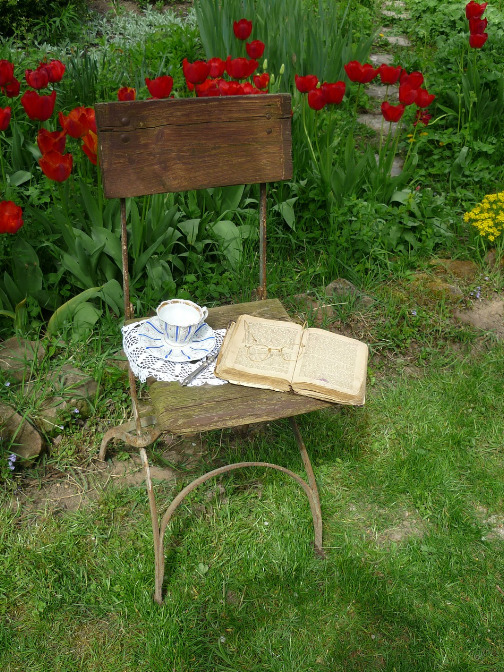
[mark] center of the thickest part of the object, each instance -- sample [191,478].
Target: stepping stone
[379,92]
[374,121]
[394,15]
[378,59]
[398,40]
[397,165]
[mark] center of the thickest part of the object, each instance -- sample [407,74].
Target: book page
[332,361]
[268,348]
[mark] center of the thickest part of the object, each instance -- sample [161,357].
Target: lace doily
[145,365]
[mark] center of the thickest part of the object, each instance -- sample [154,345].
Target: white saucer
[150,337]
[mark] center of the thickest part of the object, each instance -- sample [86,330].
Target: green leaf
[85,317]
[19,177]
[90,204]
[190,228]
[26,268]
[231,197]
[139,264]
[229,239]
[109,242]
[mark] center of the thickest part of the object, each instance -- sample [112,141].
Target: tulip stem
[4,180]
[306,131]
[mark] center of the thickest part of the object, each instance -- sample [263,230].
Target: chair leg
[317,523]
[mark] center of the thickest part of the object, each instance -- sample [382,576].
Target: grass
[413,575]
[411,486]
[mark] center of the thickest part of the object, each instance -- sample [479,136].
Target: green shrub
[19,16]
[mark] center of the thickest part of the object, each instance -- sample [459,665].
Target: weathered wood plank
[219,318]
[187,410]
[157,146]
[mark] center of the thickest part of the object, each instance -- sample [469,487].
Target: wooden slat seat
[188,410]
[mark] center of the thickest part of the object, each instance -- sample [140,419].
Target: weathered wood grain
[158,146]
[187,410]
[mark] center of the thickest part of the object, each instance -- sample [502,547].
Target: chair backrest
[156,146]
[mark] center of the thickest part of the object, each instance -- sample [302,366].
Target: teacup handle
[204,310]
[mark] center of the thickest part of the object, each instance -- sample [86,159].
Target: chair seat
[188,410]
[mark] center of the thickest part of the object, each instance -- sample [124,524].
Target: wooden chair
[157,146]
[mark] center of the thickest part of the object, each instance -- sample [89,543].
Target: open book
[284,356]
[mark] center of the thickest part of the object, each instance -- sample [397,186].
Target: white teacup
[180,319]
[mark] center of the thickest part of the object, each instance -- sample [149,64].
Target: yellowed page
[332,362]
[261,347]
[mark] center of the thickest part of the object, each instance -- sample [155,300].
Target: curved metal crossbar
[124,433]
[310,493]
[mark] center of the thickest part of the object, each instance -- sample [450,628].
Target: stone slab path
[393,9]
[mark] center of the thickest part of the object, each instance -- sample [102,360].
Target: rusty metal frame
[142,432]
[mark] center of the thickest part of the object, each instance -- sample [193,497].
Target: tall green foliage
[299,39]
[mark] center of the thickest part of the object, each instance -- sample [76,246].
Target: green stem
[303,115]
[410,144]
[4,180]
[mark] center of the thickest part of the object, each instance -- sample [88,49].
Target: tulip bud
[272,78]
[265,64]
[282,69]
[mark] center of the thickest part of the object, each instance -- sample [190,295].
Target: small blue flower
[7,384]
[413,312]
[76,411]
[10,461]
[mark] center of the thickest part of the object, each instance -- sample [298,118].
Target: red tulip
[361,74]
[6,72]
[414,79]
[11,89]
[255,49]
[5,117]
[392,113]
[407,94]
[76,123]
[477,26]
[305,84]
[37,107]
[424,98]
[262,81]
[316,99]
[56,166]
[91,121]
[55,70]
[422,117]
[207,89]
[196,72]
[37,79]
[240,68]
[217,67]
[90,146]
[389,74]
[126,93]
[48,141]
[475,10]
[230,88]
[334,92]
[11,217]
[477,41]
[160,87]
[242,29]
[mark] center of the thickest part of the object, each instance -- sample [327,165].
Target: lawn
[411,484]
